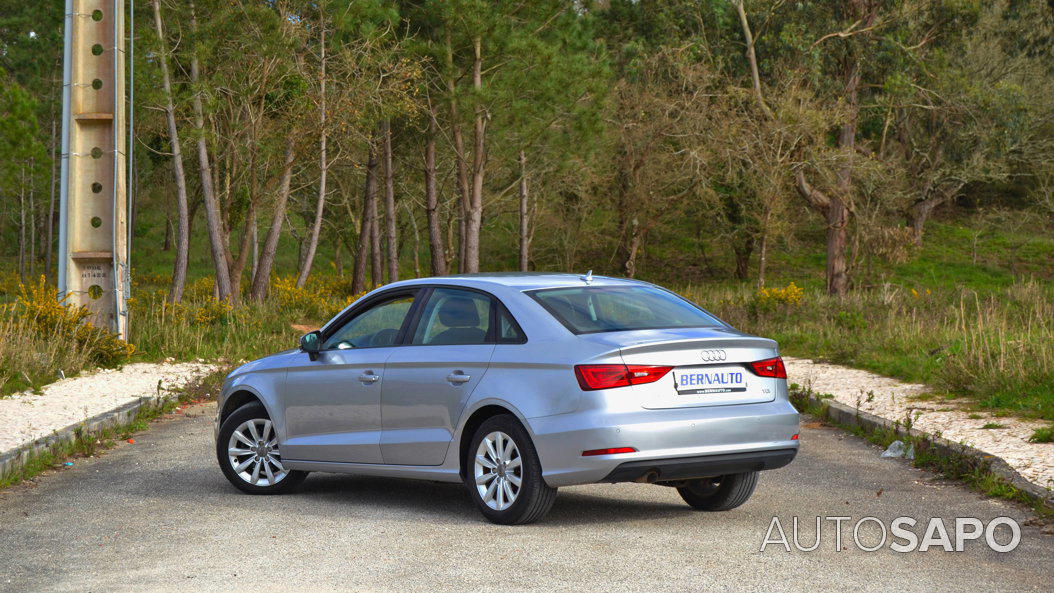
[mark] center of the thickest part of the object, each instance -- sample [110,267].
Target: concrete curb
[848,415]
[14,459]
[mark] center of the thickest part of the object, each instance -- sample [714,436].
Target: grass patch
[89,444]
[996,348]
[201,327]
[992,425]
[1042,435]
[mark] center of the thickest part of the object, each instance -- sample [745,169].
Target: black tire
[534,498]
[250,411]
[722,493]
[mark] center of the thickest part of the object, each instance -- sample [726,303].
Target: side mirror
[311,343]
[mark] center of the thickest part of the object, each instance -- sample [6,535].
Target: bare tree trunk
[837,234]
[376,255]
[32,223]
[451,225]
[391,235]
[245,245]
[212,211]
[837,216]
[22,225]
[166,245]
[369,212]
[435,235]
[632,248]
[179,269]
[836,207]
[917,217]
[474,220]
[256,247]
[763,256]
[417,247]
[320,204]
[263,270]
[838,211]
[525,237]
[51,201]
[459,154]
[752,58]
[920,211]
[755,78]
[628,227]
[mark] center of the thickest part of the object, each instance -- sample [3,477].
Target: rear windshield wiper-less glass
[593,309]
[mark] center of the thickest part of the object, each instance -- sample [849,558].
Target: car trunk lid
[710,366]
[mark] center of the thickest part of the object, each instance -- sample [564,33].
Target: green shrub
[40,305]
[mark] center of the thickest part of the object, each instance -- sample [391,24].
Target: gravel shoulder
[896,400]
[26,416]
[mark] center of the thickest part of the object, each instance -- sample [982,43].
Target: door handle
[458,377]
[368,377]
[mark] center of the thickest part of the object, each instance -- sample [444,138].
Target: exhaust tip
[649,477]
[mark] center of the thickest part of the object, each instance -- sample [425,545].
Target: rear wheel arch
[473,423]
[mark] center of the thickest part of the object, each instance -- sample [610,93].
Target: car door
[333,403]
[429,380]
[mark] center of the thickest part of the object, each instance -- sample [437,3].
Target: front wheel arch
[238,399]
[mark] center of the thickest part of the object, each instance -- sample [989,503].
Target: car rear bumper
[687,468]
[714,440]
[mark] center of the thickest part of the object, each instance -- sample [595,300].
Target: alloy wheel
[498,470]
[253,453]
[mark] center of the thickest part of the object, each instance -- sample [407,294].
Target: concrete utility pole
[93,220]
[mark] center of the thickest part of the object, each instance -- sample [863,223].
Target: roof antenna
[588,278]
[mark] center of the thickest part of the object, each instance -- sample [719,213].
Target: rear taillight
[608,376]
[770,367]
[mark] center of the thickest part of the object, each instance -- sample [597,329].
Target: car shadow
[323,494]
[450,501]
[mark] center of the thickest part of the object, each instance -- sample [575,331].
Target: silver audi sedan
[515,384]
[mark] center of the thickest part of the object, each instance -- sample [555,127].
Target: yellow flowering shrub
[212,312]
[201,289]
[39,304]
[309,300]
[770,298]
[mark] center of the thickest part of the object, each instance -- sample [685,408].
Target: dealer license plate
[710,380]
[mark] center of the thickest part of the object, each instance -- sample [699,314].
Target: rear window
[591,309]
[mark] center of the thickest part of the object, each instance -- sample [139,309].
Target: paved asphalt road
[157,515]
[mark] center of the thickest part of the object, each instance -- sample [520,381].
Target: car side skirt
[413,472]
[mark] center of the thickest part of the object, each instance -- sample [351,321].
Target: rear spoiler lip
[702,343]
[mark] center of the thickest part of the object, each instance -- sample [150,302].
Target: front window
[377,326]
[591,309]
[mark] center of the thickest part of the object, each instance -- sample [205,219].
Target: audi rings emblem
[714,355]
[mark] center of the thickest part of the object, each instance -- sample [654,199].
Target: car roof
[523,280]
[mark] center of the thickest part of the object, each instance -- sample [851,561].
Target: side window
[454,316]
[377,326]
[509,331]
